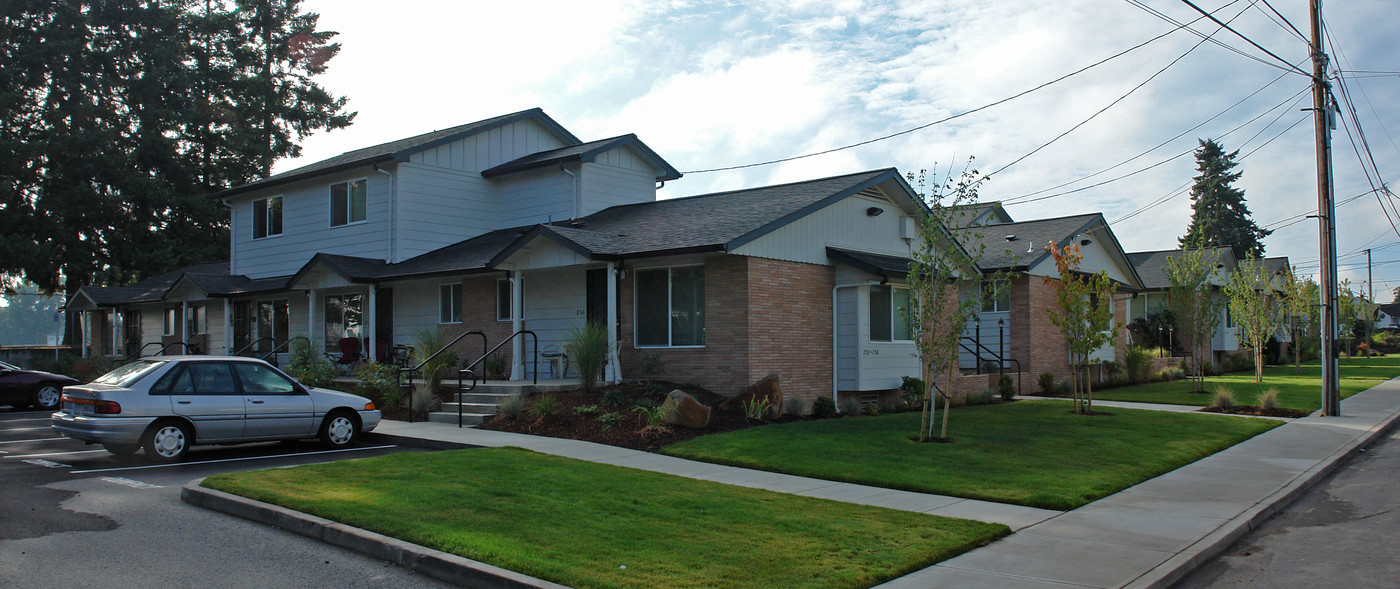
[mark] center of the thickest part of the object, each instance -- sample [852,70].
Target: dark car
[20,387]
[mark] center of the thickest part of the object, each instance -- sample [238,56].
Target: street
[75,515]
[1341,533]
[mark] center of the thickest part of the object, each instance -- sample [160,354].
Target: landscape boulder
[683,410]
[765,388]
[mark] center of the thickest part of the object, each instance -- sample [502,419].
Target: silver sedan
[166,404]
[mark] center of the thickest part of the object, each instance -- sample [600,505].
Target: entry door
[384,322]
[205,393]
[596,295]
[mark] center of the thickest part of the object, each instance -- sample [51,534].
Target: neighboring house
[513,224]
[1155,296]
[1015,319]
[1388,316]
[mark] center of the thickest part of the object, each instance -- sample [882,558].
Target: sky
[718,84]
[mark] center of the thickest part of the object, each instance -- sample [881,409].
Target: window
[996,296]
[201,378]
[450,303]
[171,320]
[889,314]
[348,202]
[267,217]
[671,307]
[261,380]
[503,300]
[197,322]
[343,319]
[273,318]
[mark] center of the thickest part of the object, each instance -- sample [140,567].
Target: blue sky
[715,84]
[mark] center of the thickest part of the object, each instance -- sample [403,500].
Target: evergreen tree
[1219,216]
[119,119]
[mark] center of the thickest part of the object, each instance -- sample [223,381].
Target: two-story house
[513,223]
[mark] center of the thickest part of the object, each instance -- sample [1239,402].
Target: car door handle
[183,401]
[256,401]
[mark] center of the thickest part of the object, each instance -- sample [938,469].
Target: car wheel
[120,450]
[339,429]
[48,396]
[168,441]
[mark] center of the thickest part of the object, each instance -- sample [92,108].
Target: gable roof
[1152,266]
[962,216]
[1020,246]
[150,290]
[583,152]
[399,150]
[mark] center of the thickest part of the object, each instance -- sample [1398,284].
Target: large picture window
[450,303]
[267,217]
[671,307]
[348,202]
[889,314]
[343,319]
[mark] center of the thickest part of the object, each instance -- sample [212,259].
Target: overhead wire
[1246,39]
[1163,16]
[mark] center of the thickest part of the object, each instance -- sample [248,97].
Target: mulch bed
[568,423]
[1260,411]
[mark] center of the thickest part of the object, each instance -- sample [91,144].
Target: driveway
[77,516]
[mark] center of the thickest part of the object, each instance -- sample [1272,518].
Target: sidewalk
[1148,535]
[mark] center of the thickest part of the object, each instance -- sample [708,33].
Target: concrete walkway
[1146,536]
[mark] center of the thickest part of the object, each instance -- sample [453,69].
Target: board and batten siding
[842,224]
[554,307]
[492,148]
[439,207]
[306,226]
[605,185]
[538,196]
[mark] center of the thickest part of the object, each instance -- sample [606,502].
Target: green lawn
[1034,453]
[1296,391]
[580,523]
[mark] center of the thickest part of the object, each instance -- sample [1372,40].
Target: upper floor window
[267,217]
[348,202]
[450,303]
[889,314]
[671,307]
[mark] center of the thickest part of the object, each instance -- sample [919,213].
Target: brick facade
[479,314]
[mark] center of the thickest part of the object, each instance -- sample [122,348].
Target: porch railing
[468,372]
[410,371]
[995,357]
[254,344]
[141,353]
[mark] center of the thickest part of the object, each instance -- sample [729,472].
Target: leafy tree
[937,311]
[1195,302]
[1252,304]
[117,120]
[1084,313]
[1300,302]
[1355,314]
[1219,216]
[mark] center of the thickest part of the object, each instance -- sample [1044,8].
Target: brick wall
[479,314]
[1045,347]
[790,330]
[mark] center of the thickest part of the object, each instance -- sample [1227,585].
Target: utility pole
[1370,286]
[1327,229]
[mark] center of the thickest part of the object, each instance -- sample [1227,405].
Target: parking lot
[63,501]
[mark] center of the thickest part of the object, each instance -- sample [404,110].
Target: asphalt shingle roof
[583,151]
[993,250]
[1152,266]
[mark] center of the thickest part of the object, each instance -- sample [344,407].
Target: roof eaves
[271,182]
[537,231]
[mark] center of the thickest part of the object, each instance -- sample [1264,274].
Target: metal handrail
[255,343]
[1001,362]
[271,356]
[418,369]
[468,370]
[163,347]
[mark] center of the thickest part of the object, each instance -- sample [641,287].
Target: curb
[426,561]
[1213,544]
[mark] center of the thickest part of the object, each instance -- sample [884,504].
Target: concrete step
[485,398]
[468,419]
[482,408]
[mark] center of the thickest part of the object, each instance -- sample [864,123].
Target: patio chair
[350,354]
[558,361]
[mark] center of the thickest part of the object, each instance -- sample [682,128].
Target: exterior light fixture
[874,211]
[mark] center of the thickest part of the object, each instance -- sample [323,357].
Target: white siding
[881,364]
[1097,256]
[416,308]
[492,148]
[439,207]
[538,196]
[606,185]
[843,224]
[554,306]
[306,228]
[543,252]
[847,341]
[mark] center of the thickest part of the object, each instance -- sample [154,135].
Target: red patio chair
[350,353]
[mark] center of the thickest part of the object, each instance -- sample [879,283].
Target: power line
[1165,17]
[956,116]
[1296,32]
[1247,39]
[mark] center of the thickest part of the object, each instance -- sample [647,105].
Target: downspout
[835,335]
[393,214]
[232,238]
[573,187]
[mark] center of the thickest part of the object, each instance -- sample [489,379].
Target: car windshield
[127,374]
[8,366]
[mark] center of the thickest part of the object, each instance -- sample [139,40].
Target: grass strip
[1300,391]
[594,525]
[1035,453]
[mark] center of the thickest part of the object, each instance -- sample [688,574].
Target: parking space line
[33,440]
[26,419]
[25,429]
[53,453]
[232,459]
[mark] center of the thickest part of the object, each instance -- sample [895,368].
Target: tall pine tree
[118,120]
[1219,216]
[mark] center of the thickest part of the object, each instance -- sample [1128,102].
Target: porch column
[613,372]
[311,317]
[370,319]
[117,328]
[185,325]
[517,323]
[85,323]
[228,327]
